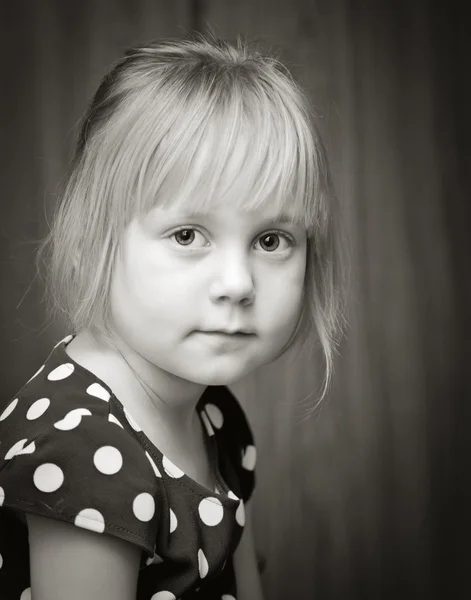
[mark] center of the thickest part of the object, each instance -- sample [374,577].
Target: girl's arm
[249,585]
[73,563]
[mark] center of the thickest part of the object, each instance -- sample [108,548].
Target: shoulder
[61,410]
[68,454]
[56,389]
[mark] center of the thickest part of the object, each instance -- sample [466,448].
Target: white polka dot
[2,496]
[240,514]
[37,373]
[164,595]
[29,449]
[18,448]
[203,566]
[211,511]
[38,408]
[48,477]
[232,495]
[227,597]
[215,415]
[143,507]
[249,458]
[15,448]
[26,595]
[113,419]
[90,519]
[153,465]
[132,422]
[72,419]
[98,391]
[61,372]
[207,423]
[108,460]
[173,521]
[9,409]
[171,469]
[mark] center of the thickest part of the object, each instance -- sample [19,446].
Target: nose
[233,282]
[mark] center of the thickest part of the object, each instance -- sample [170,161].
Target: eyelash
[288,238]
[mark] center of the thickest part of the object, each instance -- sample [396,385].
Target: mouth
[223,339]
[230,334]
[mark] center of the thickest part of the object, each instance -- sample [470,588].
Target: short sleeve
[235,440]
[86,470]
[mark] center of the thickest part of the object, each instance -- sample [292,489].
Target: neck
[132,376]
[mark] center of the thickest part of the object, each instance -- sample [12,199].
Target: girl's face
[182,276]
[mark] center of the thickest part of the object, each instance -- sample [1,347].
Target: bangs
[245,149]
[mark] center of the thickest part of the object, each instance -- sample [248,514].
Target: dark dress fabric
[69,450]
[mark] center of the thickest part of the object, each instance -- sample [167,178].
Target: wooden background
[369,498]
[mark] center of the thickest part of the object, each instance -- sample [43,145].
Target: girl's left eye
[270,241]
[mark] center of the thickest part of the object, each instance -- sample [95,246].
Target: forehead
[255,166]
[219,214]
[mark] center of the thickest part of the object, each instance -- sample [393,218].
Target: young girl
[196,241]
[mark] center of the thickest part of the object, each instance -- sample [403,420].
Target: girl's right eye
[185,236]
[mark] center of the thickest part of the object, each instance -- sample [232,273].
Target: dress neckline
[221,491]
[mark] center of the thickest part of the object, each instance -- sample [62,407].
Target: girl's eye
[186,236]
[271,241]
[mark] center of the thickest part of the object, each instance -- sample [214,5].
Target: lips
[230,332]
[227,339]
[235,334]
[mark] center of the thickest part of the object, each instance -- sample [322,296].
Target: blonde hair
[141,144]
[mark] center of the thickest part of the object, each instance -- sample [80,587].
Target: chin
[221,376]
[219,380]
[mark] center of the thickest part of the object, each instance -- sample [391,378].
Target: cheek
[286,301]
[280,301]
[152,290]
[132,287]
[287,286]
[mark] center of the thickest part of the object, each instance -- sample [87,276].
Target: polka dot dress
[69,450]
